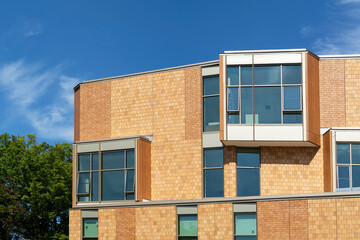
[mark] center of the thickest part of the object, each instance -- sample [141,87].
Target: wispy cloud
[343,37]
[28,84]
[30,27]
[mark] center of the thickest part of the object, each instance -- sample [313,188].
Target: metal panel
[211,140]
[239,59]
[115,145]
[243,133]
[186,210]
[279,133]
[244,207]
[277,58]
[93,147]
[348,135]
[89,213]
[208,71]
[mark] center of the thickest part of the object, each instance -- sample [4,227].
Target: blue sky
[47,47]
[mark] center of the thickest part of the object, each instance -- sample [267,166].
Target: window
[187,223]
[245,221]
[90,228]
[264,94]
[348,166]
[248,171]
[211,103]
[213,173]
[114,172]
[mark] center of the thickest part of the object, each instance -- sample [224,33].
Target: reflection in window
[268,104]
[213,173]
[90,228]
[245,226]
[348,166]
[248,171]
[211,103]
[188,227]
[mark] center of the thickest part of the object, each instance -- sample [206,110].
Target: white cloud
[30,27]
[28,85]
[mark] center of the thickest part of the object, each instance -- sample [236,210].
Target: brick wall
[352,89]
[107,224]
[230,172]
[75,224]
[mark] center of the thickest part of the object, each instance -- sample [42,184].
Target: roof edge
[344,56]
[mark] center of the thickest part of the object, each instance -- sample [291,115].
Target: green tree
[35,188]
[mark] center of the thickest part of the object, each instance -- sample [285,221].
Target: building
[255,145]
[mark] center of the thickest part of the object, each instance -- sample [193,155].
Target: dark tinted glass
[84,199]
[211,85]
[214,182]
[187,238]
[84,183]
[95,161]
[246,75]
[355,153]
[113,160]
[355,176]
[84,162]
[233,99]
[130,176]
[247,105]
[248,157]
[248,182]
[292,98]
[211,114]
[213,158]
[245,238]
[95,186]
[233,118]
[130,159]
[268,105]
[291,74]
[343,177]
[233,75]
[130,196]
[343,153]
[292,117]
[113,185]
[267,75]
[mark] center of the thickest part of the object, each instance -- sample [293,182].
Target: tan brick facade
[75,224]
[352,86]
[230,172]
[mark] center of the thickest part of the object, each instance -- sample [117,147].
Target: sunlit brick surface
[352,89]
[75,224]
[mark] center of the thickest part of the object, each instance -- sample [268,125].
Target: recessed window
[187,223]
[213,173]
[245,221]
[88,177]
[211,104]
[348,166]
[248,171]
[90,228]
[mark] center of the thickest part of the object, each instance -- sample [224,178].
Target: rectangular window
[245,221]
[213,173]
[211,105]
[274,97]
[248,171]
[90,228]
[348,166]
[114,172]
[187,223]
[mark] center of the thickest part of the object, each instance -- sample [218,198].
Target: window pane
[211,85]
[233,118]
[267,75]
[188,225]
[95,186]
[291,74]
[130,196]
[292,98]
[248,182]
[246,75]
[292,117]
[245,224]
[245,238]
[213,158]
[130,176]
[84,199]
[113,185]
[268,104]
[95,161]
[355,153]
[343,177]
[113,160]
[84,162]
[90,228]
[130,159]
[248,157]
[214,182]
[355,176]
[343,153]
[84,183]
[247,105]
[233,75]
[187,238]
[211,114]
[233,99]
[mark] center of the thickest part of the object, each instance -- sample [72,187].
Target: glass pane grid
[348,166]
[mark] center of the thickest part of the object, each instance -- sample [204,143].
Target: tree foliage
[35,188]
